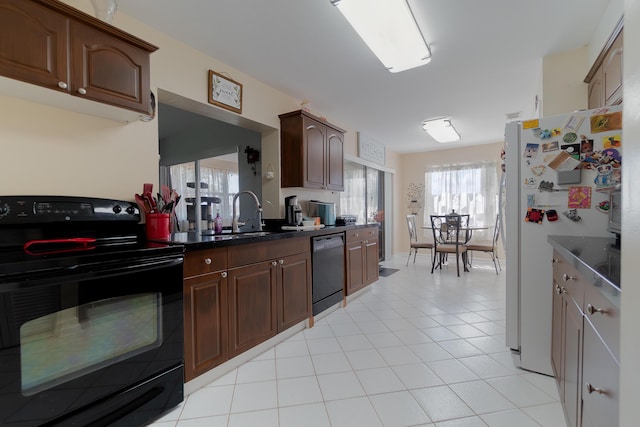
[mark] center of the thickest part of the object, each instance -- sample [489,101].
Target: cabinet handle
[82,91]
[566,277]
[560,290]
[223,274]
[592,310]
[592,389]
[554,260]
[207,261]
[62,85]
[273,263]
[281,261]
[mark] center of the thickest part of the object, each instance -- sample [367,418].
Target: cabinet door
[294,290]
[335,160]
[252,305]
[612,73]
[33,44]
[314,157]
[206,325]
[572,362]
[557,337]
[371,261]
[355,267]
[596,92]
[601,386]
[109,70]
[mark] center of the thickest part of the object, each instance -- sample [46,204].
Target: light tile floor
[418,349]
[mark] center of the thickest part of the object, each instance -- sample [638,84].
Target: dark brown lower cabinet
[361,258]
[238,297]
[252,305]
[206,323]
[294,292]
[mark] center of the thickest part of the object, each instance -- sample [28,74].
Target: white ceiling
[487,58]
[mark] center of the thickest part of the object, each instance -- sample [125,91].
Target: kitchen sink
[253,234]
[229,236]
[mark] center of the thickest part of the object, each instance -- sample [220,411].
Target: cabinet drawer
[267,250]
[601,308]
[600,382]
[205,261]
[361,234]
[568,279]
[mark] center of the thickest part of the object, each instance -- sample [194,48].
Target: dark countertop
[594,257]
[193,241]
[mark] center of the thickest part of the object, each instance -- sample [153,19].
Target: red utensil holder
[157,226]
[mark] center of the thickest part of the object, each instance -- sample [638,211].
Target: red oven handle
[78,244]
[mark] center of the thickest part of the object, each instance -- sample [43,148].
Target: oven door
[73,342]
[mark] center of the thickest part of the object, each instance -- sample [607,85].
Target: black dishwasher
[328,271]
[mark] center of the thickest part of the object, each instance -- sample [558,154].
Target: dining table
[469,229]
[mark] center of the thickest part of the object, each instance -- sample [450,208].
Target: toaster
[325,210]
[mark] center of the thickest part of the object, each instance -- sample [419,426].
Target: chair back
[411,225]
[448,229]
[496,232]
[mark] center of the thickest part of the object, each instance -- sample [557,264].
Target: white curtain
[220,183]
[353,198]
[470,188]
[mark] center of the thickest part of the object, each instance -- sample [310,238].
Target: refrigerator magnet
[534,215]
[572,214]
[573,123]
[579,198]
[538,169]
[550,146]
[606,122]
[531,150]
[603,207]
[552,215]
[613,141]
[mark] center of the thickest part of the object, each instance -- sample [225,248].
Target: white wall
[562,82]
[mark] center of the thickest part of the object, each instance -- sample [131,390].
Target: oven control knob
[4,210]
[117,209]
[131,210]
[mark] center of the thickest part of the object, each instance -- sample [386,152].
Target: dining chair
[448,238]
[449,226]
[491,247]
[413,239]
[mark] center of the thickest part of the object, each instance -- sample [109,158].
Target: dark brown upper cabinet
[51,45]
[311,151]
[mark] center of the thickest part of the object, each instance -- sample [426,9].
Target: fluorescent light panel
[441,130]
[389,29]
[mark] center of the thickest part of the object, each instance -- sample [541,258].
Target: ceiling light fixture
[441,130]
[390,30]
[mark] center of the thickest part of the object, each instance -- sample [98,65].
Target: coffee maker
[293,213]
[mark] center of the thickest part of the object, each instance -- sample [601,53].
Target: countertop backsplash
[305,194]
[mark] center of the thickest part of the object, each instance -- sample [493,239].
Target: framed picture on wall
[225,92]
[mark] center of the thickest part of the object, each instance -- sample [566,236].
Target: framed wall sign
[371,150]
[225,92]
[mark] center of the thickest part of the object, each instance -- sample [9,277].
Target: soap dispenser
[217,223]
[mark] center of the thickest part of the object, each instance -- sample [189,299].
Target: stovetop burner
[40,233]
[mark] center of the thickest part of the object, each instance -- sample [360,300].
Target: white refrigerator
[558,171]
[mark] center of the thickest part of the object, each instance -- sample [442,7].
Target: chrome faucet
[234,222]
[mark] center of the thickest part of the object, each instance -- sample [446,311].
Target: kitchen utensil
[142,203]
